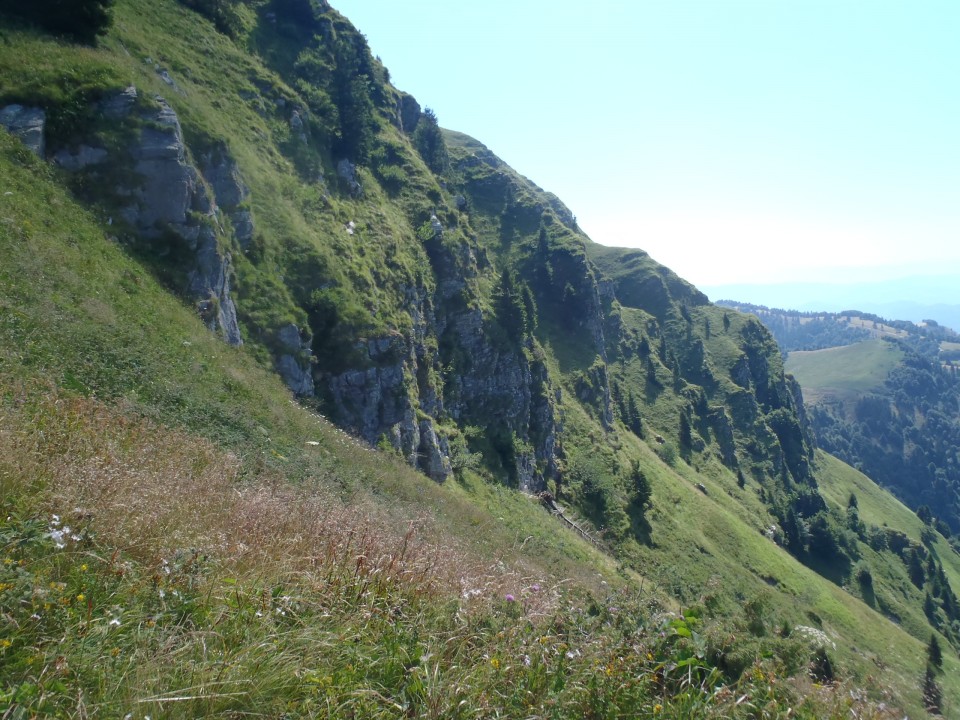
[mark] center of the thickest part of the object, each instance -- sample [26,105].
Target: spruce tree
[934,653]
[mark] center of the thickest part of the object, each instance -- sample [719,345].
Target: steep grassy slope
[222,532]
[441,306]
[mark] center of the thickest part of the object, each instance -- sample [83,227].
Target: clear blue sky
[734,140]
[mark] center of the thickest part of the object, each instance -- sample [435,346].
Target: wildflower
[5,643]
[115,622]
[509,598]
[83,568]
[526,660]
[495,663]
[81,597]
[58,538]
[657,708]
[535,587]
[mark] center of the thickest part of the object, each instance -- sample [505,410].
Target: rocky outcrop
[221,172]
[347,172]
[209,282]
[293,365]
[26,123]
[171,196]
[81,158]
[379,402]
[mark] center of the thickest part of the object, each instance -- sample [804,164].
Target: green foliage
[514,308]
[934,653]
[590,476]
[336,318]
[80,20]
[222,13]
[428,139]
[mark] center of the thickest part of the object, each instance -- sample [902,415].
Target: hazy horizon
[730,141]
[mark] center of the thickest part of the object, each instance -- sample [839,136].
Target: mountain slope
[405,282]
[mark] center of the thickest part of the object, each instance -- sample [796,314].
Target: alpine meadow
[311,407]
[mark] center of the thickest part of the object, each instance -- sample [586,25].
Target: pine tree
[635,422]
[934,653]
[915,568]
[428,139]
[932,694]
[81,20]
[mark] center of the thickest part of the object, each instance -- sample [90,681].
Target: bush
[222,13]
[81,20]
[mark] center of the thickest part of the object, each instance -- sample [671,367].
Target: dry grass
[151,492]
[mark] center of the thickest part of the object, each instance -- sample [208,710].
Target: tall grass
[142,574]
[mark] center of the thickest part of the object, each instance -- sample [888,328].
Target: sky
[736,141]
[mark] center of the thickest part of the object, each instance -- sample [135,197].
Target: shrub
[81,20]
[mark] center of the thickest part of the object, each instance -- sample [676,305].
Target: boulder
[27,123]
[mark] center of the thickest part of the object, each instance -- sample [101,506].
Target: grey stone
[434,453]
[289,337]
[27,123]
[82,158]
[243,227]
[347,171]
[165,76]
[297,378]
[169,183]
[210,281]
[221,171]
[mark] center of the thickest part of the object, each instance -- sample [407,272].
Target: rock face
[347,172]
[82,157]
[171,196]
[458,367]
[27,123]
[169,183]
[294,364]
[221,172]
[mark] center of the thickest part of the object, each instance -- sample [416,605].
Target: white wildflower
[817,638]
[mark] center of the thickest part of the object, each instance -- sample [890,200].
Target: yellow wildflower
[495,663]
[83,568]
[81,597]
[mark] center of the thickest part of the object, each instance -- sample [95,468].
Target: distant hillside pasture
[841,374]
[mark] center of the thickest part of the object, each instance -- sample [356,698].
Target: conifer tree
[934,653]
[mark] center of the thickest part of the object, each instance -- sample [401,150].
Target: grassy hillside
[231,551]
[841,374]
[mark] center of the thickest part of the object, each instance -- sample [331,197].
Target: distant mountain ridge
[914,298]
[883,395]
